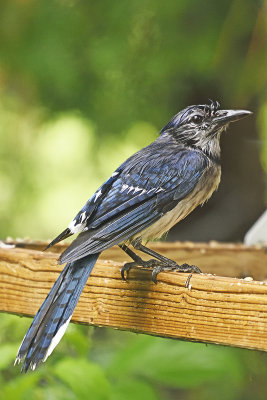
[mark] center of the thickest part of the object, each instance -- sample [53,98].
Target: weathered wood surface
[217,309]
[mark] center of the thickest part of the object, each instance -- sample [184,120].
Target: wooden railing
[228,308]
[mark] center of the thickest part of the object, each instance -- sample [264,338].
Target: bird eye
[196,118]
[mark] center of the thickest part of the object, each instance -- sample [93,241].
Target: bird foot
[192,269]
[145,264]
[159,266]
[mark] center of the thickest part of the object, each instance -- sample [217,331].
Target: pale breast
[206,186]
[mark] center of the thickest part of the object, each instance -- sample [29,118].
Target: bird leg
[138,261]
[159,263]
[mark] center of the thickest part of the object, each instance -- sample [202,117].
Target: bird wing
[141,194]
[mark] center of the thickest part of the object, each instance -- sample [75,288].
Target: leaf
[20,388]
[177,364]
[133,390]
[86,380]
[8,354]
[79,339]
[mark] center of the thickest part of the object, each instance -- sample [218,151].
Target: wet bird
[149,193]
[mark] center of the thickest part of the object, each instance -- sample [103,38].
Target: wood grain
[217,309]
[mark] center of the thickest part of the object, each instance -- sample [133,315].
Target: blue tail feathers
[53,317]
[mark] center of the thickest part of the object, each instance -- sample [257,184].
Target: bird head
[200,126]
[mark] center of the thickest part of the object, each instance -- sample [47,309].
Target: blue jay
[150,192]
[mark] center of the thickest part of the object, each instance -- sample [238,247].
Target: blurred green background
[83,85]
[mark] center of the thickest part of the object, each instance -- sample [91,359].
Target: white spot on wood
[6,245]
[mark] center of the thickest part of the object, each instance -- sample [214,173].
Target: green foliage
[116,365]
[263,133]
[133,389]
[111,63]
[7,352]
[161,362]
[83,378]
[23,387]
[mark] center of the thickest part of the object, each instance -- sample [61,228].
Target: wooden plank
[221,310]
[224,259]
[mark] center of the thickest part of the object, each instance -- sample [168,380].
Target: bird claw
[126,269]
[193,269]
[128,266]
[159,266]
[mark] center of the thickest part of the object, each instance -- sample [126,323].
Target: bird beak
[226,116]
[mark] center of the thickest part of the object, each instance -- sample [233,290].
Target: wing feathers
[137,197]
[110,234]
